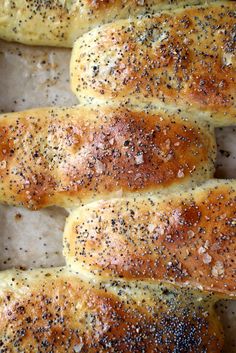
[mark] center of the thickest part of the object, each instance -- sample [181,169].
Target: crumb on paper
[18,216]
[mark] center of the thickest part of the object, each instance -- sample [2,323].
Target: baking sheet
[32,77]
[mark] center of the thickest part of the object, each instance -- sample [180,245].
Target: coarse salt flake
[207,258]
[151,227]
[218,269]
[201,250]
[180,174]
[78,347]
[99,166]
[139,159]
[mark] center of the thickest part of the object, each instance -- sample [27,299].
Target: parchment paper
[32,77]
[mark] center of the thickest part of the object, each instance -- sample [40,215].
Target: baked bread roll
[61,22]
[65,156]
[183,60]
[187,238]
[54,311]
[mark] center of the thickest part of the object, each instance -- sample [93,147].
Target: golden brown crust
[61,22]
[54,311]
[183,59]
[73,155]
[186,238]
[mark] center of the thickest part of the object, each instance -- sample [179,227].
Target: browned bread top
[187,238]
[181,59]
[53,311]
[72,155]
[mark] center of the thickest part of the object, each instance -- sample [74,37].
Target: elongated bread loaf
[61,22]
[187,238]
[73,155]
[183,59]
[54,311]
